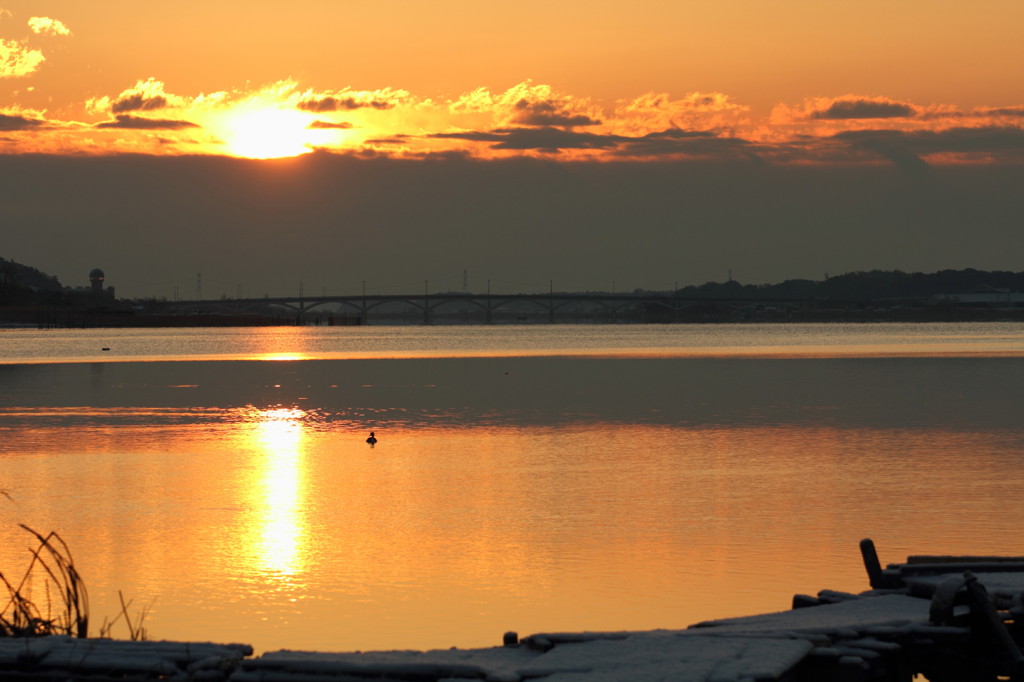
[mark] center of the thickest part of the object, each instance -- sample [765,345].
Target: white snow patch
[638,657]
[842,618]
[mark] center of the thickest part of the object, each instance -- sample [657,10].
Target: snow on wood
[636,657]
[670,655]
[1002,584]
[875,635]
[43,656]
[849,616]
[495,663]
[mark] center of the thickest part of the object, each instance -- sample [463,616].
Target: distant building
[96,280]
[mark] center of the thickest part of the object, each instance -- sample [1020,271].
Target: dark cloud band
[854,109]
[138,123]
[12,123]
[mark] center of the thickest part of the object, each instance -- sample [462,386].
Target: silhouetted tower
[96,280]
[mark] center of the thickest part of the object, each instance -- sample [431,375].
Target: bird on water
[372,439]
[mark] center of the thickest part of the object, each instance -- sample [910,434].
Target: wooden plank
[948,559]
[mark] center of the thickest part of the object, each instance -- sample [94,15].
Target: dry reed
[64,606]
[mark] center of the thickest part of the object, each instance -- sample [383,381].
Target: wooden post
[871,564]
[986,614]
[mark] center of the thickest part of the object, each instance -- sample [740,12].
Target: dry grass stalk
[136,632]
[65,613]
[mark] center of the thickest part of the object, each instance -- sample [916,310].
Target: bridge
[487,308]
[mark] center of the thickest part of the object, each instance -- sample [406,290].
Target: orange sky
[786,81]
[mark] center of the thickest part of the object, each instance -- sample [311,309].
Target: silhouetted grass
[136,632]
[50,598]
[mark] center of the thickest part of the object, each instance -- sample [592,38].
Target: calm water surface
[526,478]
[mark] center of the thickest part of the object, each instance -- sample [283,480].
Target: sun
[268,133]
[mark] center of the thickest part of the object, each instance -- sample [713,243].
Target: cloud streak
[529,119]
[127,121]
[546,113]
[348,100]
[11,122]
[546,139]
[327,125]
[846,109]
[910,149]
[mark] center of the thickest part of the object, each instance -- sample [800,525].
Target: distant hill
[866,286]
[22,283]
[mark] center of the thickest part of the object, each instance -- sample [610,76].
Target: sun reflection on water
[278,433]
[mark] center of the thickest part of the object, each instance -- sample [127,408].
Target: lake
[527,478]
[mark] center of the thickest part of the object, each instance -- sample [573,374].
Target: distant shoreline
[42,318]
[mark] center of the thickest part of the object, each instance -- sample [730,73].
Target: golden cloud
[48,26]
[349,100]
[695,111]
[528,119]
[145,95]
[538,105]
[17,59]
[476,102]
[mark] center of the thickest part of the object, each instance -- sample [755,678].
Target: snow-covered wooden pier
[948,618]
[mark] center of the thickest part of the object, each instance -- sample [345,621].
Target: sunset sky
[614,103]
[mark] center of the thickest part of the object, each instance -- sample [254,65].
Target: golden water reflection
[530,495]
[284,534]
[24,346]
[276,501]
[279,357]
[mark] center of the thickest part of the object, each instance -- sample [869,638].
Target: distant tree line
[25,285]
[865,286]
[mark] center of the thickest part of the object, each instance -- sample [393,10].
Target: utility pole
[551,303]
[363,311]
[488,316]
[426,302]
